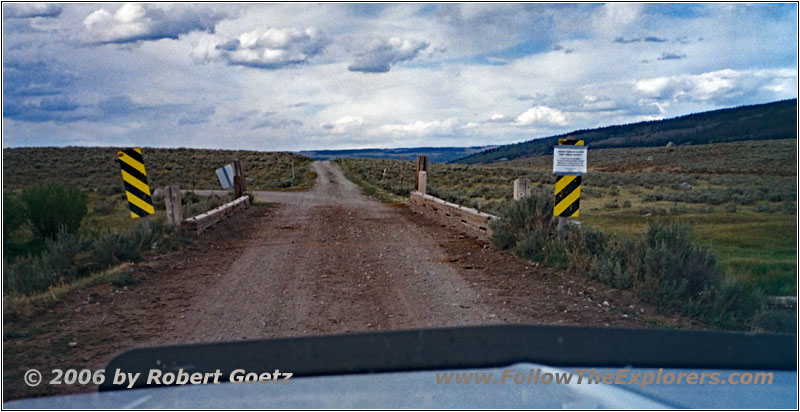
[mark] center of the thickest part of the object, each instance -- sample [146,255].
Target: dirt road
[328,260]
[334,262]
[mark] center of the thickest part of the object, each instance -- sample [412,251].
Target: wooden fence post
[172,198]
[402,170]
[422,166]
[423,182]
[237,187]
[522,188]
[238,170]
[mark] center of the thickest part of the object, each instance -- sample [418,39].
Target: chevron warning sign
[568,196]
[568,189]
[133,174]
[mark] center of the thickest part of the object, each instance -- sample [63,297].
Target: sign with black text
[569,160]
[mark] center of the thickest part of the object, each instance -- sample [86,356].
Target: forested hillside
[777,120]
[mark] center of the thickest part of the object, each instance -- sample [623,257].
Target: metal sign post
[569,164]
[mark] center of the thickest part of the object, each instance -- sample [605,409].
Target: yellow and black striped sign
[568,189]
[572,142]
[568,196]
[133,174]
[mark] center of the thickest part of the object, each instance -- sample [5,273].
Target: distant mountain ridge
[777,120]
[435,154]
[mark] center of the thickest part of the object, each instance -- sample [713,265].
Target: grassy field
[97,168]
[96,171]
[107,235]
[739,198]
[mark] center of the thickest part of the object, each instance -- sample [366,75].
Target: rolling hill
[777,120]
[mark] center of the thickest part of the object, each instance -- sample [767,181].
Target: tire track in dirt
[333,261]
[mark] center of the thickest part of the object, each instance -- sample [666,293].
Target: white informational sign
[225,175]
[569,160]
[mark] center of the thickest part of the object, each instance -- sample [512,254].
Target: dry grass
[97,169]
[21,306]
[742,202]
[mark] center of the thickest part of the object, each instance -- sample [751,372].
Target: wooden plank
[205,220]
[466,216]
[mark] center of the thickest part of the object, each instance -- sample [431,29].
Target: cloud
[343,124]
[34,78]
[135,22]
[122,106]
[647,39]
[653,39]
[270,48]
[517,29]
[117,108]
[623,40]
[58,104]
[558,47]
[541,115]
[277,124]
[49,108]
[31,10]
[268,119]
[382,54]
[420,128]
[614,18]
[718,86]
[671,56]
[198,116]
[35,113]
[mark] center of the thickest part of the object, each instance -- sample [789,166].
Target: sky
[343,76]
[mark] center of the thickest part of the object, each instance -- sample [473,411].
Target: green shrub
[727,305]
[13,215]
[653,211]
[534,245]
[107,206]
[112,189]
[776,320]
[617,264]
[194,204]
[122,278]
[52,207]
[677,209]
[680,264]
[26,275]
[662,265]
[113,248]
[70,256]
[582,246]
[523,217]
[65,258]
